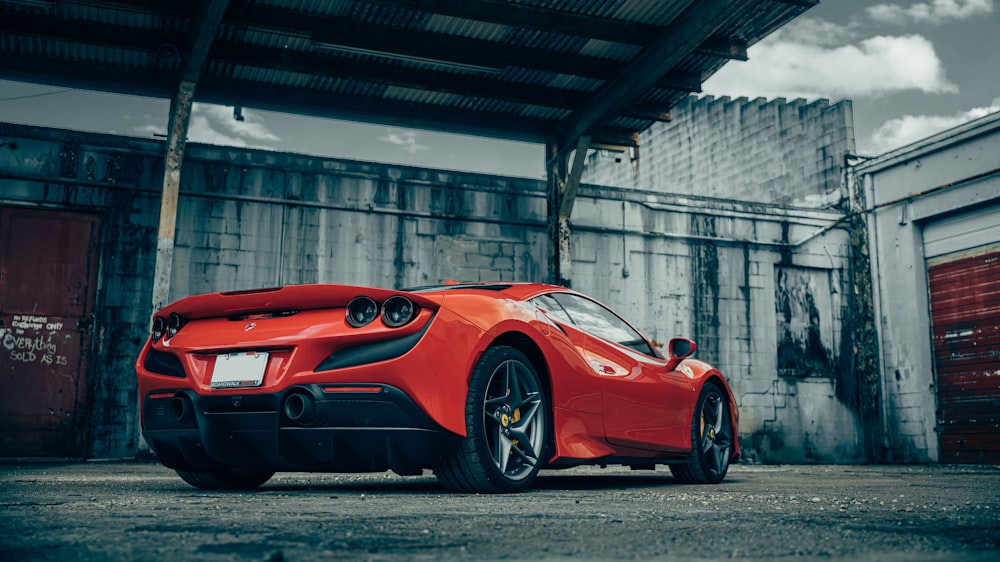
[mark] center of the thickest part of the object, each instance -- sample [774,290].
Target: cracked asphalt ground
[142,511]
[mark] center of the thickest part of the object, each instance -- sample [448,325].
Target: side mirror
[679,349]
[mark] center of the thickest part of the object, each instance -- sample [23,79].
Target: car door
[586,395]
[646,406]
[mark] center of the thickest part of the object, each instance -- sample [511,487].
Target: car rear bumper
[331,428]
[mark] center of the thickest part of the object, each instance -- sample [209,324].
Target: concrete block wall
[706,269]
[770,151]
[287,219]
[674,265]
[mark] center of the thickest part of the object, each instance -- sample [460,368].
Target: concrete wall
[904,191]
[709,269]
[256,218]
[755,285]
[767,151]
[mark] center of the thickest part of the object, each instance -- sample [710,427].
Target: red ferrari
[484,383]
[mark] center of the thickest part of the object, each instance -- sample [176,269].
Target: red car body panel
[607,400]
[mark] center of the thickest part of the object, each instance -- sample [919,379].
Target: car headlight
[174,325]
[159,328]
[361,311]
[397,311]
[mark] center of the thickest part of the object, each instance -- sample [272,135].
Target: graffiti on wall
[30,340]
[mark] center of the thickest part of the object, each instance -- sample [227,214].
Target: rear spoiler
[284,299]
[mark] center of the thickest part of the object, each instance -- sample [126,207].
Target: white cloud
[813,31]
[404,138]
[252,126]
[203,129]
[149,130]
[933,11]
[909,128]
[215,124]
[815,59]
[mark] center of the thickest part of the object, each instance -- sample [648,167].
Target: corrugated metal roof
[520,69]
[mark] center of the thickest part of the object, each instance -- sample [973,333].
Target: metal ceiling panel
[609,50]
[507,68]
[655,13]
[318,7]
[466,28]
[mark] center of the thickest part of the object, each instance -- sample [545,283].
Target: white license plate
[238,370]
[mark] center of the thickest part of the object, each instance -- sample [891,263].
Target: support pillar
[180,117]
[563,184]
[555,172]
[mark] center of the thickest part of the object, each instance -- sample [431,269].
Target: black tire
[711,438]
[225,479]
[506,418]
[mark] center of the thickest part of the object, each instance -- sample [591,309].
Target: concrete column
[180,117]
[555,172]
[563,185]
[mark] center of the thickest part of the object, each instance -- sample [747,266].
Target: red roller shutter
[965,311]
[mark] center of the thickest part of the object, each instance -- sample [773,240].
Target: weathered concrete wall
[767,151]
[255,218]
[945,175]
[709,269]
[755,285]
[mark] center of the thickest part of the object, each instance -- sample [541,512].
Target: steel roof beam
[204,28]
[320,103]
[307,62]
[315,63]
[730,48]
[419,78]
[153,83]
[684,34]
[103,78]
[333,32]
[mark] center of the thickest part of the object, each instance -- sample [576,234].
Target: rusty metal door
[965,314]
[48,275]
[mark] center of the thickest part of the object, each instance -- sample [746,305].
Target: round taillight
[174,325]
[397,311]
[361,311]
[159,328]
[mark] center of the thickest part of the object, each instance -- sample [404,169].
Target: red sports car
[483,383]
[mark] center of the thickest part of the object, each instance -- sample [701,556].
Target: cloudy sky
[911,69]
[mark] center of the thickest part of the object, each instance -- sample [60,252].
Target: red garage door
[48,271]
[965,310]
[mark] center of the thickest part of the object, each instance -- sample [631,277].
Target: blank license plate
[237,370]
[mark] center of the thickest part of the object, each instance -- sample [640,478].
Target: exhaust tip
[180,409]
[300,408]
